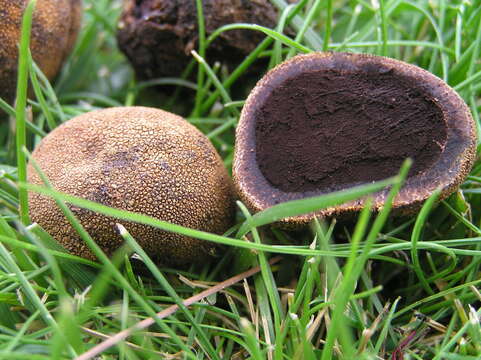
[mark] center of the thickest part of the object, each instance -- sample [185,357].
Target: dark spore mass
[329,130]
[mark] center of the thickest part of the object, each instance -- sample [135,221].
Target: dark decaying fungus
[137,159]
[329,121]
[54,31]
[157,36]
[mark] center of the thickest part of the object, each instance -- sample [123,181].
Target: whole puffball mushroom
[325,122]
[54,30]
[158,36]
[138,159]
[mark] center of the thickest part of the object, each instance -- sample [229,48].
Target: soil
[329,130]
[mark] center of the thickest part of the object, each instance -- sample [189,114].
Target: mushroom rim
[456,158]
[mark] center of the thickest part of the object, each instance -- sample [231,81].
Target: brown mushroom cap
[54,30]
[158,36]
[329,121]
[137,159]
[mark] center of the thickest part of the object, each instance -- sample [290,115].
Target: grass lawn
[374,287]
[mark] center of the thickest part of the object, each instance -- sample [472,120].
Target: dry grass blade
[475,291]
[98,349]
[250,302]
[129,344]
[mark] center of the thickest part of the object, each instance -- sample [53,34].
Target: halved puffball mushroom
[324,122]
[54,31]
[138,159]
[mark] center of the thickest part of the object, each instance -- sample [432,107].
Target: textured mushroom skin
[54,31]
[138,159]
[447,173]
[157,36]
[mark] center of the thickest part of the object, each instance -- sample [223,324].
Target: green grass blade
[304,206]
[21,104]
[416,234]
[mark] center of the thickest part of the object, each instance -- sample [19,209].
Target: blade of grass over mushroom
[307,205]
[171,227]
[294,250]
[143,219]
[21,103]
[269,32]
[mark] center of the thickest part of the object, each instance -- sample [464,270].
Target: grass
[378,287]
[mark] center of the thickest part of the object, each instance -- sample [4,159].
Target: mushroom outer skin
[54,30]
[141,160]
[157,36]
[447,173]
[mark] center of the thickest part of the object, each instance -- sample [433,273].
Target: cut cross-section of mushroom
[325,122]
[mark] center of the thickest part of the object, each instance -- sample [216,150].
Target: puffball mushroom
[138,159]
[324,122]
[157,36]
[54,31]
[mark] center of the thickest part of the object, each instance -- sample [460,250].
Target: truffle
[157,36]
[325,122]
[138,159]
[54,31]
